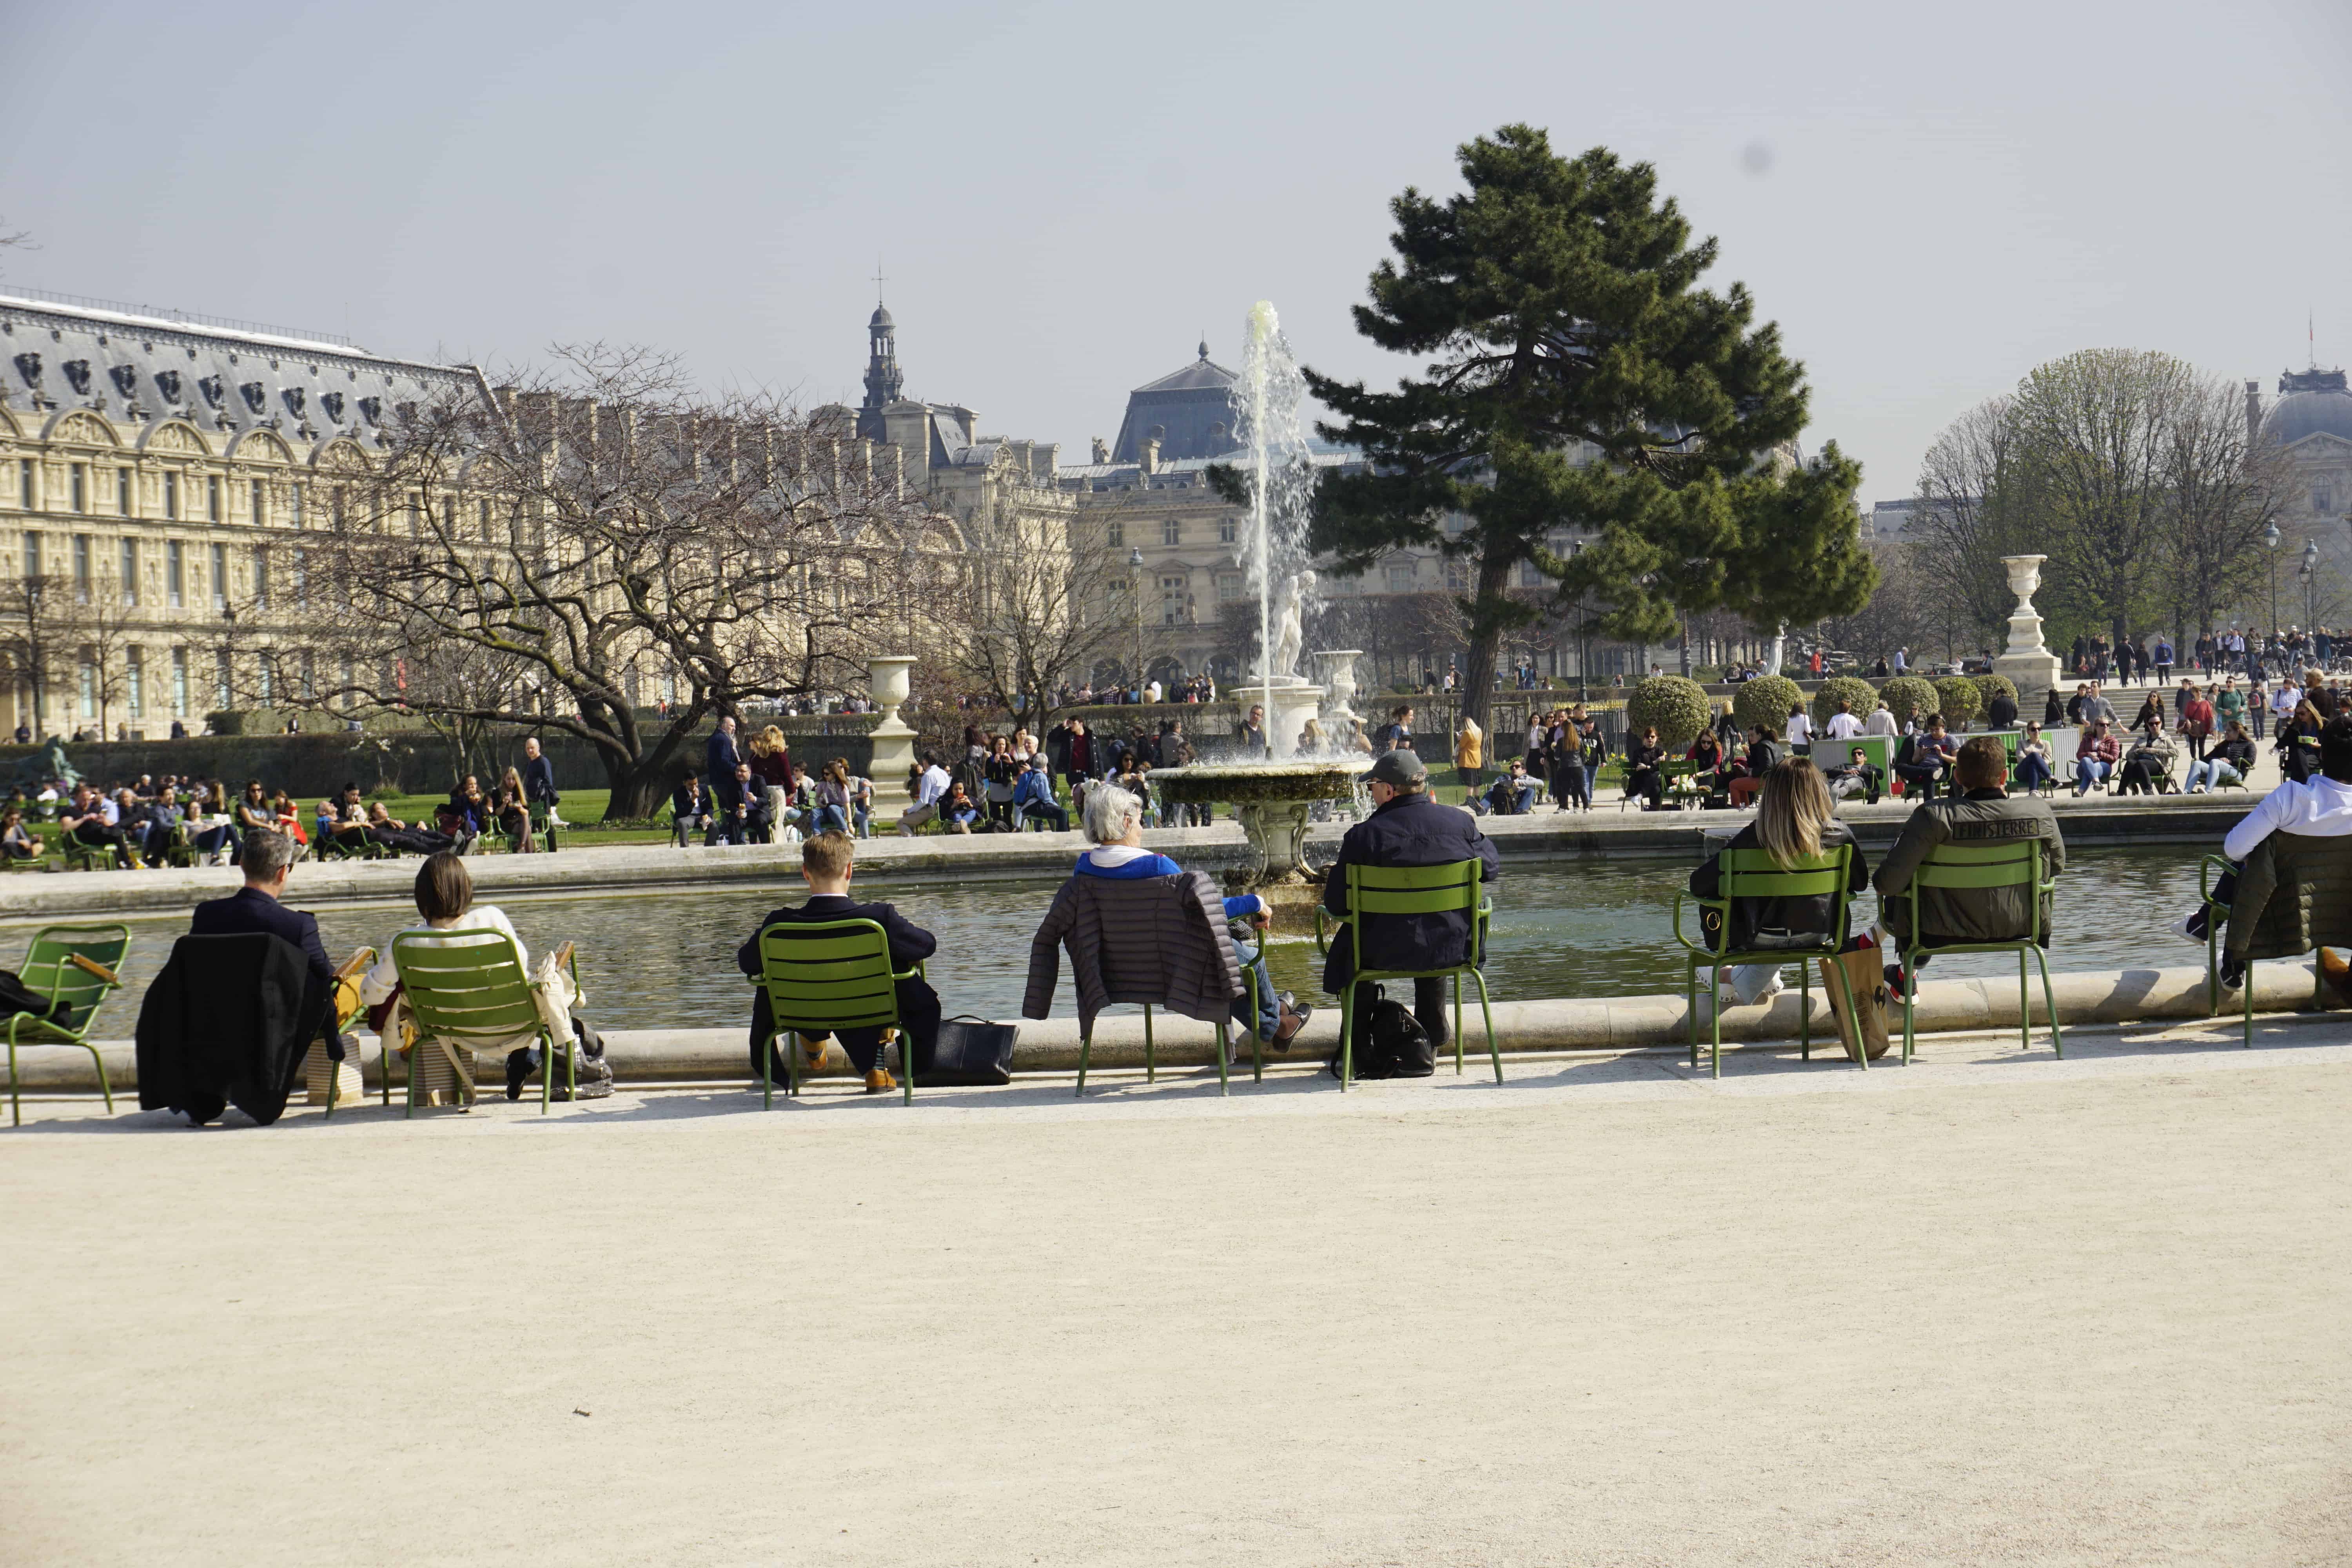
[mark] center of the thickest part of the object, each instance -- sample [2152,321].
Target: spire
[883,381]
[1204,346]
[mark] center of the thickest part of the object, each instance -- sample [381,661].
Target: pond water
[1598,929]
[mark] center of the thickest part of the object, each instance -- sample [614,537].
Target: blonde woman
[1470,757]
[1310,740]
[1795,819]
[772,770]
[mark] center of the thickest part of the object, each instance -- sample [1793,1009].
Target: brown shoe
[813,1050]
[879,1081]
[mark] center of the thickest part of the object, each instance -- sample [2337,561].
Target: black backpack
[1391,1043]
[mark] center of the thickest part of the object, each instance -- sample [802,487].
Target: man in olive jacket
[1984,813]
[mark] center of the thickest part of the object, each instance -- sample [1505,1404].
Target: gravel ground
[1992,1308]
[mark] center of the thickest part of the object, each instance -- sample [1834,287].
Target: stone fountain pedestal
[1273,802]
[894,738]
[2028,664]
[1288,703]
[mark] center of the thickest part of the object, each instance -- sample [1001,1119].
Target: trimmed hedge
[1766,700]
[1958,700]
[1991,686]
[1678,709]
[1846,689]
[1908,696]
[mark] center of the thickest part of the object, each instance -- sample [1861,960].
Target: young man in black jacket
[1408,828]
[825,867]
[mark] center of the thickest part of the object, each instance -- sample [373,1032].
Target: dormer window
[293,396]
[77,375]
[254,397]
[29,365]
[167,382]
[211,387]
[126,379]
[372,408]
[332,401]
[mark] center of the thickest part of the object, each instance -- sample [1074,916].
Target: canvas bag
[1865,973]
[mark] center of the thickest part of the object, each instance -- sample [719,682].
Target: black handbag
[970,1052]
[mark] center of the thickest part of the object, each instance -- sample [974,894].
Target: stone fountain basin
[1249,784]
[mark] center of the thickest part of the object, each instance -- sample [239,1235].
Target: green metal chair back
[824,976]
[49,971]
[1755,874]
[1453,888]
[1953,867]
[467,990]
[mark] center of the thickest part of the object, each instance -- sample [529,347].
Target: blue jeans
[828,819]
[2033,773]
[2089,771]
[865,816]
[2211,774]
[1256,1008]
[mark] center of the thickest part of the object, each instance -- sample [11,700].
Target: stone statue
[49,762]
[1289,631]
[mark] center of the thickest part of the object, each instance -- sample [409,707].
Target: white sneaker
[2185,928]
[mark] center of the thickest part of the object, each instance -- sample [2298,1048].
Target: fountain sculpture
[2029,665]
[1273,793]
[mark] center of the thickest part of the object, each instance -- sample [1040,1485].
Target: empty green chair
[1453,888]
[542,829]
[78,965]
[1754,874]
[824,976]
[466,990]
[2015,863]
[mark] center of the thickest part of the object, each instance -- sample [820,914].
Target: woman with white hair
[1114,823]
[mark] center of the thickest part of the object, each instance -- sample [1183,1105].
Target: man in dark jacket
[1984,813]
[2000,714]
[267,859]
[537,777]
[720,759]
[1408,828]
[825,867]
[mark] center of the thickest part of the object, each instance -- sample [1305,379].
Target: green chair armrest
[2205,878]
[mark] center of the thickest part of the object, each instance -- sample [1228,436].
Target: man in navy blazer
[266,858]
[825,867]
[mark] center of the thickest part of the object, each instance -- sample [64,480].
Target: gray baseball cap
[1399,769]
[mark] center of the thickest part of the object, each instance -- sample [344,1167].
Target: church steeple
[884,382]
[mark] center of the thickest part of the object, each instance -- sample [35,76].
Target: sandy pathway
[2030,1313]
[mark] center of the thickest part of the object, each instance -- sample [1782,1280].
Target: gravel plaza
[1993,1308]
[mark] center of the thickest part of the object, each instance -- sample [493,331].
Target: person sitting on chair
[1643,758]
[1926,758]
[2144,763]
[2228,762]
[689,811]
[17,842]
[1407,827]
[1859,776]
[2033,769]
[1983,812]
[825,866]
[1745,777]
[1033,795]
[2319,808]
[266,859]
[2096,755]
[1114,820]
[1795,820]
[84,823]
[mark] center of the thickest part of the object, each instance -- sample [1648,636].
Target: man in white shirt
[1900,660]
[2284,700]
[1799,733]
[1842,724]
[929,789]
[1882,723]
[2319,808]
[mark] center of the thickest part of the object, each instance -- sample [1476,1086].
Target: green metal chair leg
[767,1072]
[334,1080]
[793,1058]
[2246,986]
[410,1108]
[1457,1023]
[2057,1038]
[1804,1011]
[1690,1006]
[1347,1035]
[906,1065]
[104,1088]
[16,1110]
[1222,1046]
[2024,1007]
[547,1072]
[1910,990]
[1715,1017]
[1493,1046]
[1085,1048]
[1150,1061]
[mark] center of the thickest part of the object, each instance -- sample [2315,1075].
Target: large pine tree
[1579,379]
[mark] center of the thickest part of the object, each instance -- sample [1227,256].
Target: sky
[1065,198]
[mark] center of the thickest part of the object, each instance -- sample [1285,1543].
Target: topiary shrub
[1675,708]
[1908,697]
[1766,700]
[1957,700]
[1991,686]
[1838,689]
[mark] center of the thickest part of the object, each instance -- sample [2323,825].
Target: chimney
[1150,458]
[2253,413]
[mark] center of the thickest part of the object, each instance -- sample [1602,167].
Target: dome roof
[881,318]
[2302,414]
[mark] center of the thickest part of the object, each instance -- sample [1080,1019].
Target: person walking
[2196,720]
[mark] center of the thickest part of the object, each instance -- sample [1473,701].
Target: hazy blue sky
[1930,199]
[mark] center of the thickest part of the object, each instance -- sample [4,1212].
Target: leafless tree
[2228,487]
[1971,511]
[1041,611]
[35,636]
[605,523]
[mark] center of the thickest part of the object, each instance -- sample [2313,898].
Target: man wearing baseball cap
[1408,828]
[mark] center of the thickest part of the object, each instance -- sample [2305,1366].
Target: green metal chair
[466,990]
[1455,887]
[2217,918]
[824,976]
[358,963]
[540,828]
[2015,864]
[335,847]
[76,964]
[1224,1043]
[1754,874]
[81,857]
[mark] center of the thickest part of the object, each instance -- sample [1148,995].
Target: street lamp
[2310,583]
[2271,543]
[1135,577]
